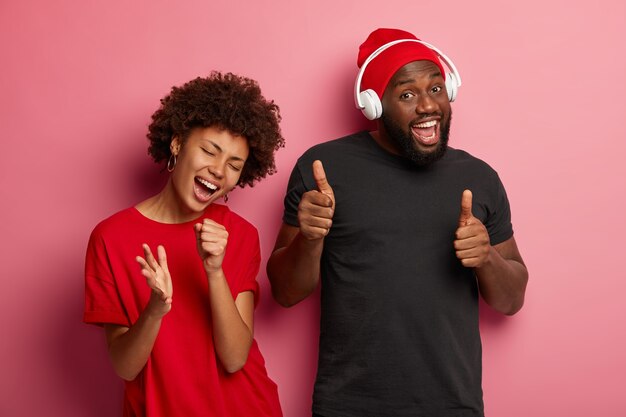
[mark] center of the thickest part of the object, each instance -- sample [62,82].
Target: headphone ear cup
[372,107]
[452,86]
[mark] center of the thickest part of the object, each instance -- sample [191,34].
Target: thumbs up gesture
[472,244]
[317,207]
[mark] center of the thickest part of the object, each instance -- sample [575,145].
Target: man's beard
[405,142]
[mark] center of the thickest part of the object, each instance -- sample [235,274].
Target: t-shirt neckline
[136,213]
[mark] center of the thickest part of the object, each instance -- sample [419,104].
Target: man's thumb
[320,178]
[466,208]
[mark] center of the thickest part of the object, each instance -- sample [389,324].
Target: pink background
[542,101]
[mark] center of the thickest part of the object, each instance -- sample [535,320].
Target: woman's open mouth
[204,189]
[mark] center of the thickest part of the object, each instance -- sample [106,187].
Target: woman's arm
[232,322]
[130,347]
[233,325]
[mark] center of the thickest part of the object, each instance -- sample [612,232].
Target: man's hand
[158,278]
[211,240]
[317,207]
[472,239]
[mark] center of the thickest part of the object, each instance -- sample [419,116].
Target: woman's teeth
[207,184]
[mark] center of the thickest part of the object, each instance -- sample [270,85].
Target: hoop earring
[171,163]
[226,198]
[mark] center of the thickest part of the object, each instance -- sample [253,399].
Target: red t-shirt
[183,376]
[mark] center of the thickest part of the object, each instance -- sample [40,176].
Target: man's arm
[502,278]
[294,266]
[501,273]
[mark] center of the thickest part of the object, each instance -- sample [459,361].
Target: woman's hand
[211,240]
[158,278]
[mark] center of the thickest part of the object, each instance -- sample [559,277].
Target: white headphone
[369,102]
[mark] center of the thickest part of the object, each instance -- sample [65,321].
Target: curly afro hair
[230,102]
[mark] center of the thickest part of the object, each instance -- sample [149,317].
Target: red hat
[380,70]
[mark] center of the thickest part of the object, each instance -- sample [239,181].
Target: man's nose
[425,104]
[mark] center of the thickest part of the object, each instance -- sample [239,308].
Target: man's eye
[406,96]
[437,89]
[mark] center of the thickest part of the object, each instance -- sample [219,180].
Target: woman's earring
[171,163]
[226,198]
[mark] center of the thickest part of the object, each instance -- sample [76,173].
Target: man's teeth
[425,124]
[207,184]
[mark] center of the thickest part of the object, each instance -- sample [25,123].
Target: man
[405,233]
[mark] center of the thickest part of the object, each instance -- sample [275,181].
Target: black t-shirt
[399,325]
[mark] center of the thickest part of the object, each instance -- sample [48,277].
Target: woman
[179,326]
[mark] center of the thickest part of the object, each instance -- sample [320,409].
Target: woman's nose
[217,169]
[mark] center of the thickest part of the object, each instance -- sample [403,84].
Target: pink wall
[542,101]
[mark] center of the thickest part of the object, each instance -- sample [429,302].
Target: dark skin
[415,99]
[294,266]
[216,155]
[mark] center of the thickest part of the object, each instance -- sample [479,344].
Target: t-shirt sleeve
[252,266]
[295,188]
[102,301]
[498,222]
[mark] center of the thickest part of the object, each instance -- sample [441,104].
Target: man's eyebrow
[402,81]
